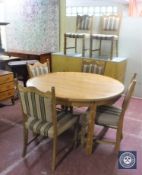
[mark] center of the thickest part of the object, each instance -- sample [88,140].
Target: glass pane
[85,10]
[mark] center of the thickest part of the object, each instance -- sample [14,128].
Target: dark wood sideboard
[26,55]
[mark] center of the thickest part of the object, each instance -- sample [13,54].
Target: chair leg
[111,50]
[83,46]
[54,153]
[84,124]
[118,140]
[117,48]
[65,44]
[91,47]
[25,141]
[100,46]
[76,133]
[13,100]
[75,44]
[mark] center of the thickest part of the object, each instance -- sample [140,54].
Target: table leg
[90,132]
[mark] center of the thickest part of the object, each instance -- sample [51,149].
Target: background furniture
[93,66]
[19,68]
[82,31]
[40,56]
[109,31]
[6,85]
[42,119]
[4,61]
[115,68]
[80,89]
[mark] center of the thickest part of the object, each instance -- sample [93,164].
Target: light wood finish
[114,68]
[80,89]
[6,85]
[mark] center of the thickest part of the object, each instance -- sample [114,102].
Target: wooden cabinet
[115,68]
[25,55]
[6,85]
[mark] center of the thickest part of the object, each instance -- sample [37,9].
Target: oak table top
[80,89]
[77,86]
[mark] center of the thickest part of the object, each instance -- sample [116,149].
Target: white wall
[130,45]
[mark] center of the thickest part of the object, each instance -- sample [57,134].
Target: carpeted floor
[103,161]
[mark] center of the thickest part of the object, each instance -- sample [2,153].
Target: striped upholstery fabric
[108,116]
[84,22]
[111,23]
[39,70]
[75,35]
[38,109]
[36,106]
[93,68]
[104,37]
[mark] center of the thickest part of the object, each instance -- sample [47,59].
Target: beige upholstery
[41,117]
[109,31]
[111,117]
[93,66]
[82,31]
[38,69]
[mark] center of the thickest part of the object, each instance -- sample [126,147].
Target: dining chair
[93,66]
[109,31]
[38,69]
[83,30]
[110,116]
[41,117]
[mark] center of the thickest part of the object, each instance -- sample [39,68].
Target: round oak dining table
[80,89]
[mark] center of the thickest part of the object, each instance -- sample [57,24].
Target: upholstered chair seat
[46,128]
[108,116]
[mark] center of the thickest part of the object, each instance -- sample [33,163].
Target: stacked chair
[82,31]
[109,31]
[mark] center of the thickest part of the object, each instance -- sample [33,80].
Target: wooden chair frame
[49,94]
[119,127]
[79,34]
[107,35]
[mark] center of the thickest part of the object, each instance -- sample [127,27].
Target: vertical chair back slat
[93,66]
[38,69]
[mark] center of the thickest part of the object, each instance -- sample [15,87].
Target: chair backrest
[111,24]
[93,66]
[128,95]
[84,23]
[38,69]
[38,105]
[133,77]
